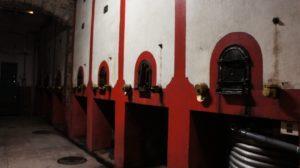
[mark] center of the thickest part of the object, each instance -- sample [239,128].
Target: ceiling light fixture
[31,12]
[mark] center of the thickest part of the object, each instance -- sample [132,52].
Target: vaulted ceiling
[20,22]
[63,10]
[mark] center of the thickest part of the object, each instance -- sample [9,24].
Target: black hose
[250,150]
[270,141]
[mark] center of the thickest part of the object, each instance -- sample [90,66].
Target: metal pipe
[269,141]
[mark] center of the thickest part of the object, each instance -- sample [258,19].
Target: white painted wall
[82,39]
[148,24]
[106,39]
[209,20]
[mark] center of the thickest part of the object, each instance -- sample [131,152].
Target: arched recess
[145,70]
[247,42]
[103,74]
[80,76]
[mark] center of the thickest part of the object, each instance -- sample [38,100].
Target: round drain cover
[72,160]
[42,132]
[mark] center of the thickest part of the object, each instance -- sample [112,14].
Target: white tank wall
[106,39]
[210,20]
[148,24]
[82,39]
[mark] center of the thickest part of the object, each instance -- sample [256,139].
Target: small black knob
[276,20]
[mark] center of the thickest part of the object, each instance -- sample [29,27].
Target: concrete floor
[19,148]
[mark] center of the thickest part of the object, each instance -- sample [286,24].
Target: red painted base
[120,113]
[78,118]
[100,133]
[58,112]
[46,105]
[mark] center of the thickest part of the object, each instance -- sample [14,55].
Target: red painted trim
[106,67]
[251,45]
[92,42]
[119,97]
[155,99]
[107,95]
[121,40]
[78,123]
[180,38]
[176,96]
[89,92]
[146,55]
[99,129]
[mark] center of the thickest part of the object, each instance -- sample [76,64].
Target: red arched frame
[105,66]
[147,56]
[251,45]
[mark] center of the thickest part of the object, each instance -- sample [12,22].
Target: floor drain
[42,132]
[71,160]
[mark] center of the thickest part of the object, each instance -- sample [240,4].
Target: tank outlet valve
[271,91]
[105,88]
[127,89]
[202,92]
[156,89]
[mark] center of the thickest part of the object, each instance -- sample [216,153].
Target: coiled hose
[260,152]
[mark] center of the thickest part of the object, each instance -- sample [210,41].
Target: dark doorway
[9,97]
[146,134]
